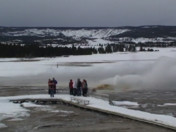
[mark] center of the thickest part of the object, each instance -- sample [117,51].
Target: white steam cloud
[159,75]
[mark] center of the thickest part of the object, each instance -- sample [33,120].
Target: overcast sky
[87,12]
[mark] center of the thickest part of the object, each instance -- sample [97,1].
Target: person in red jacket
[51,87]
[71,87]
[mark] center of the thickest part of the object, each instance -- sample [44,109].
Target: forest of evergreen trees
[38,51]
[34,50]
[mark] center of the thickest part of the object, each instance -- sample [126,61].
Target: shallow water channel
[67,118]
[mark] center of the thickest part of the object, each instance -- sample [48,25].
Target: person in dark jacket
[49,85]
[84,88]
[79,87]
[71,87]
[54,85]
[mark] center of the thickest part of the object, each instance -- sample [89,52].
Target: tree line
[11,50]
[36,50]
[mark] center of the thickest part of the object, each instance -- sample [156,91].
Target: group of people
[78,88]
[52,86]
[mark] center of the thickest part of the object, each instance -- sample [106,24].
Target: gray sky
[87,12]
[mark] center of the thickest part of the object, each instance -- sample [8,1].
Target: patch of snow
[142,40]
[2,125]
[49,109]
[16,119]
[170,104]
[29,105]
[126,104]
[62,111]
[11,110]
[167,104]
[44,108]
[99,41]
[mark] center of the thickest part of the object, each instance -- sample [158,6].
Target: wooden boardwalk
[85,106]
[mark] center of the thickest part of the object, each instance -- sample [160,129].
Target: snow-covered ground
[123,70]
[10,110]
[16,111]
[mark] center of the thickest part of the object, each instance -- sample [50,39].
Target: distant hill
[64,41]
[87,36]
[149,32]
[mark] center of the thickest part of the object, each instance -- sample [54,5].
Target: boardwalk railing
[79,101]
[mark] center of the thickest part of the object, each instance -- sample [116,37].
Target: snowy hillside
[90,33]
[89,36]
[82,36]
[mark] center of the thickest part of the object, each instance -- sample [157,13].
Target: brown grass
[103,87]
